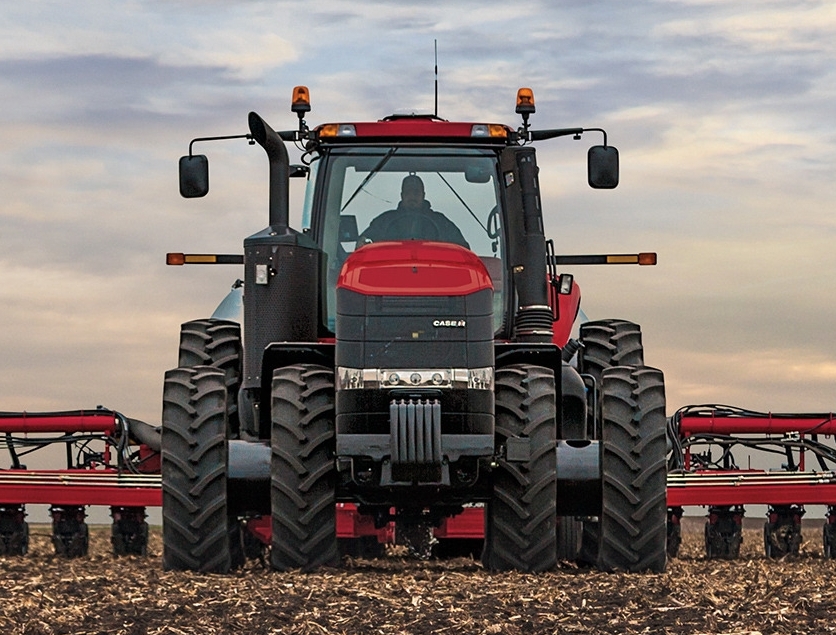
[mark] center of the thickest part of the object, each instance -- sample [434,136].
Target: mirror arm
[235,136]
[601,130]
[542,135]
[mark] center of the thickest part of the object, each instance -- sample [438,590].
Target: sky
[722,113]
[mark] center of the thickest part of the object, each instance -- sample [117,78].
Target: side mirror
[194,176]
[602,167]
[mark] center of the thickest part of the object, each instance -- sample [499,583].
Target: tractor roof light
[525,107]
[301,101]
[332,130]
[525,102]
[492,130]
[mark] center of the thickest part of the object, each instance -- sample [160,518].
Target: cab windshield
[396,193]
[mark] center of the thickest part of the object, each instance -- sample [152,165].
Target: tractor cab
[367,194]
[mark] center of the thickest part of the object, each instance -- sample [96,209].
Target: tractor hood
[414,268]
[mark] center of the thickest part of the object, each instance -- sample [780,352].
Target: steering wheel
[493,223]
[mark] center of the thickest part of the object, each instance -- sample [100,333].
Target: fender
[568,306]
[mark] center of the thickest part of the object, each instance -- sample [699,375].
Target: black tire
[521,517]
[73,544]
[607,343]
[303,475]
[633,522]
[129,535]
[722,544]
[70,534]
[829,540]
[79,544]
[780,540]
[194,471]
[724,531]
[20,543]
[604,344]
[14,531]
[217,343]
[15,543]
[569,535]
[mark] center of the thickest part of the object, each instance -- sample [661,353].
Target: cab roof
[414,128]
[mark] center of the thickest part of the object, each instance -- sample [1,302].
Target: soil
[41,594]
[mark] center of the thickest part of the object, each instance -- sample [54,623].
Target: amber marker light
[525,101]
[301,101]
[331,130]
[498,130]
[622,259]
[204,259]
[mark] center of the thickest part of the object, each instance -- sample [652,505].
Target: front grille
[415,431]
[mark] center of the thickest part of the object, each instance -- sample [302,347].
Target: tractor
[412,360]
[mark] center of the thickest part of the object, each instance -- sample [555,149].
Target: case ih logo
[450,323]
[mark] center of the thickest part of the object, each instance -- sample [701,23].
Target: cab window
[362,194]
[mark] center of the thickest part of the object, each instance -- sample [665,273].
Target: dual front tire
[196,524]
[521,518]
[199,533]
[303,476]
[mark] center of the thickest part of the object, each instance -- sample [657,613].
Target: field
[42,594]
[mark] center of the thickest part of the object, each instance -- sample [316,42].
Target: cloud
[233,37]
[722,114]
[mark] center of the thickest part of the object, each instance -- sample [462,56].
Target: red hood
[414,267]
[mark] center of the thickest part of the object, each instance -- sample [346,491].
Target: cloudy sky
[722,112]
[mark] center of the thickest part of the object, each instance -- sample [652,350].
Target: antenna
[435,44]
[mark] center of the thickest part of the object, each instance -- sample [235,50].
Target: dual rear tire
[633,522]
[630,534]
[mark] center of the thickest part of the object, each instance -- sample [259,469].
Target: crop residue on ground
[42,594]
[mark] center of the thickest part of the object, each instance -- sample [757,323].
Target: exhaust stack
[279,171]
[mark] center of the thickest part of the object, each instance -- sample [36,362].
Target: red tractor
[408,353]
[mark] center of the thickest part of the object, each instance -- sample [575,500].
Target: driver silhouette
[413,219]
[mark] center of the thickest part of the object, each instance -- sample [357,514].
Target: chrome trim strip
[443,378]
